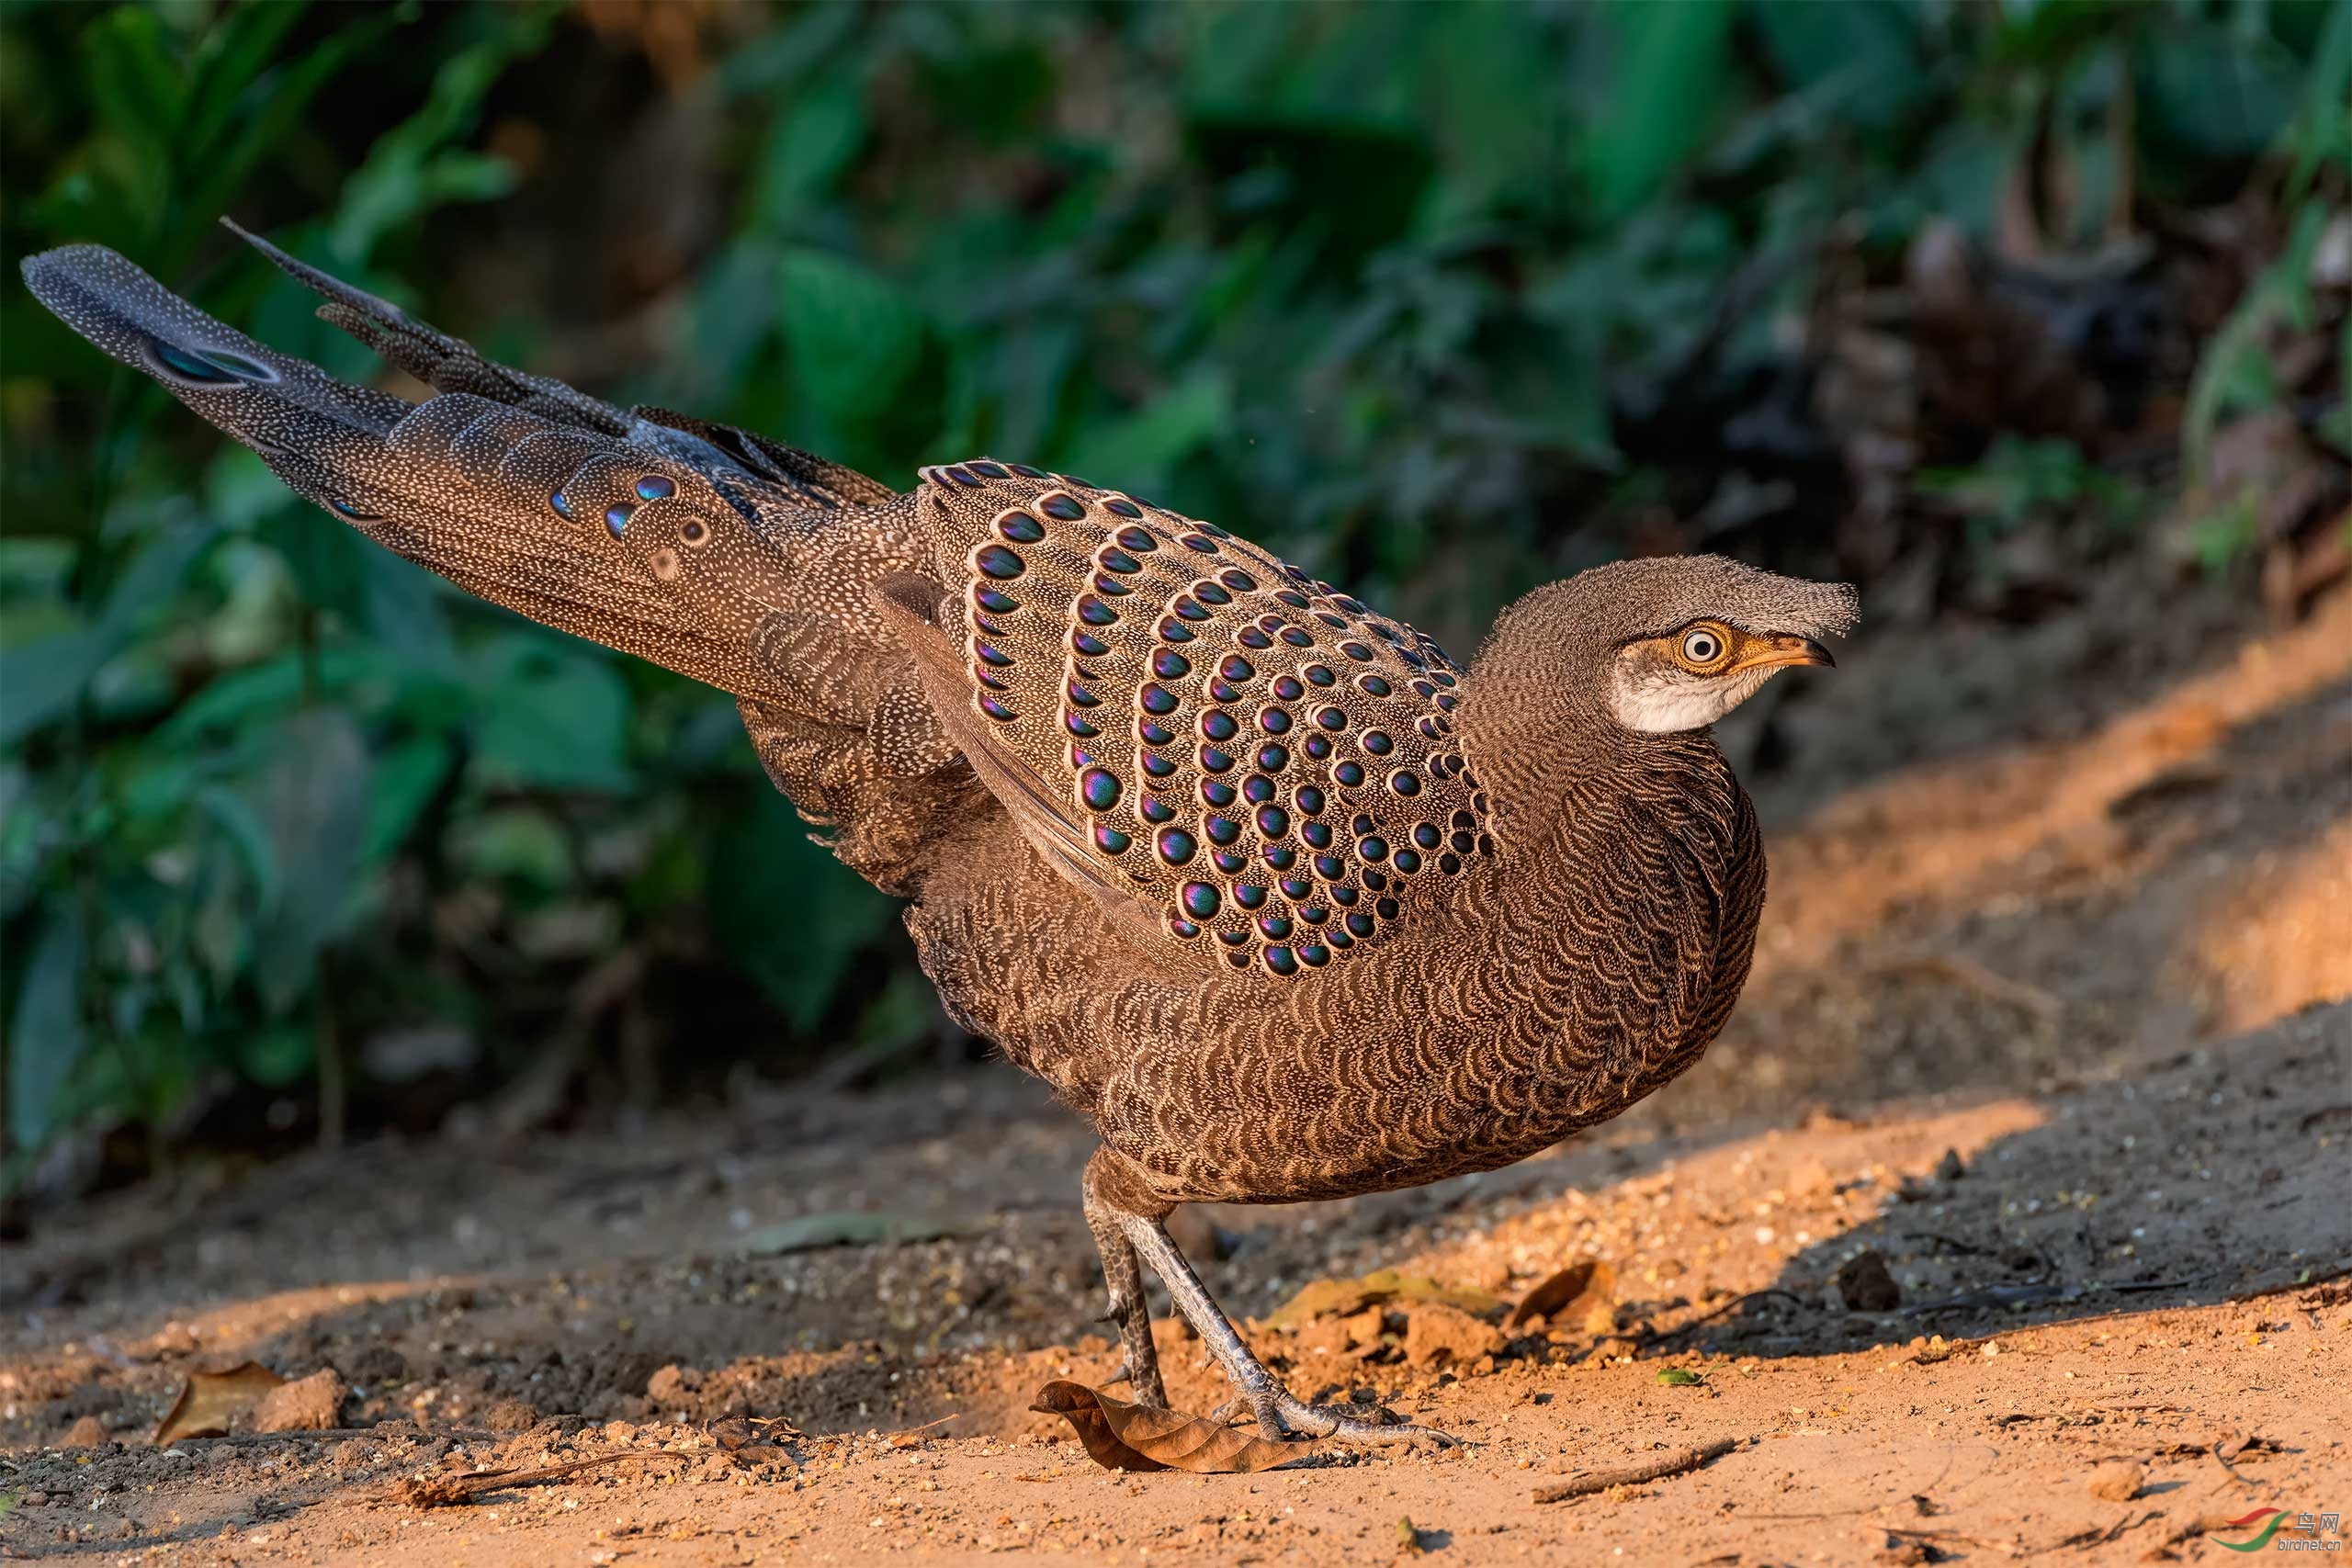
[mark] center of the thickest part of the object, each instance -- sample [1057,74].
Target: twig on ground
[1634,1475]
[440,1491]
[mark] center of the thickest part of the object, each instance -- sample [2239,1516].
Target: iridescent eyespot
[1091,610]
[1348,774]
[561,504]
[1233,667]
[1404,782]
[1119,561]
[993,470]
[1176,846]
[1217,793]
[655,487]
[1355,650]
[1288,688]
[1331,719]
[1273,758]
[1124,507]
[1099,787]
[1310,799]
[995,710]
[1199,542]
[1374,684]
[1087,644]
[1249,895]
[1061,507]
[1020,527]
[1317,675]
[1156,698]
[1222,830]
[1238,580]
[1317,834]
[996,601]
[1153,733]
[997,561]
[1111,841]
[1170,665]
[1208,592]
[1171,629]
[1376,742]
[1219,725]
[1200,900]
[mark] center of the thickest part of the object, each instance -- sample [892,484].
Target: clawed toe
[1372,1424]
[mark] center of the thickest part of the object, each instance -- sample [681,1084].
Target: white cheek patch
[1661,701]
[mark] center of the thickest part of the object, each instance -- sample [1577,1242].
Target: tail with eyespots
[721,555]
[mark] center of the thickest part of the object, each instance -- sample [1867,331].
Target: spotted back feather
[1264,762]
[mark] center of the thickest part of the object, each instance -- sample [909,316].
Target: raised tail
[517,488]
[728,558]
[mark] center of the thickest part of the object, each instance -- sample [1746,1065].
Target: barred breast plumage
[1290,903]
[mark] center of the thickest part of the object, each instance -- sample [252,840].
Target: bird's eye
[1702,645]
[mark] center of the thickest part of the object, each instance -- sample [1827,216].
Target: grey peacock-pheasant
[1285,900]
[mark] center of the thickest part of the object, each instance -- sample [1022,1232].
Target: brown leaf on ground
[1583,1293]
[1438,1334]
[1119,1435]
[208,1402]
[1345,1298]
[89,1432]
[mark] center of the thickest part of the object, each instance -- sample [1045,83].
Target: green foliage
[1418,293]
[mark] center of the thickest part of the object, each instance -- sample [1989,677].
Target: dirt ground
[2050,1015]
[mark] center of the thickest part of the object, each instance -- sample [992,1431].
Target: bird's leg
[1123,1277]
[1279,1412]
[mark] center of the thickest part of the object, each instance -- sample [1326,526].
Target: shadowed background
[1976,305]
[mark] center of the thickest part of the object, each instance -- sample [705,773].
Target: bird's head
[1656,646]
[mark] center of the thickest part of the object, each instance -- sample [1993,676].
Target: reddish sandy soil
[2051,1014]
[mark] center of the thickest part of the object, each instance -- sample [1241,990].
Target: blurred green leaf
[315,802]
[47,1036]
[791,915]
[854,339]
[1671,81]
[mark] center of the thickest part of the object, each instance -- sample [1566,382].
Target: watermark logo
[2272,1520]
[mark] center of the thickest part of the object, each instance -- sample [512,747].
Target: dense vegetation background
[1952,296]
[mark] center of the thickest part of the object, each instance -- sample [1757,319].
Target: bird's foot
[1281,1414]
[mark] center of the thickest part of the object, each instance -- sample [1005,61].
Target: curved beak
[1785,648]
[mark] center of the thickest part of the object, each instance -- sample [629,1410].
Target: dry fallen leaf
[208,1402]
[1583,1293]
[1119,1435]
[1345,1298]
